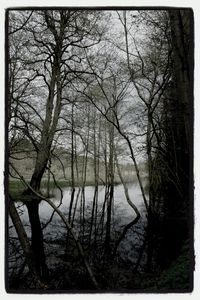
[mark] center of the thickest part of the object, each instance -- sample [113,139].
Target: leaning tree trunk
[77,179]
[132,205]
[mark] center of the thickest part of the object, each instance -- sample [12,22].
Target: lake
[122,214]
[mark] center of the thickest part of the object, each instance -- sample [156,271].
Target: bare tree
[53,36]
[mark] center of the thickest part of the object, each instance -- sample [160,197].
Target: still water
[122,214]
[122,211]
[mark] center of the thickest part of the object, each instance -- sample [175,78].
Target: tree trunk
[37,238]
[94,204]
[84,178]
[25,245]
[72,164]
[178,110]
[77,176]
[132,205]
[43,154]
[49,178]
[110,189]
[150,215]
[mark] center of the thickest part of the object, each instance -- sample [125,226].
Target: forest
[99,158]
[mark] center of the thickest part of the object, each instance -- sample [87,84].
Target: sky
[195,4]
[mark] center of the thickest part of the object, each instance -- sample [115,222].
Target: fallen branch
[68,226]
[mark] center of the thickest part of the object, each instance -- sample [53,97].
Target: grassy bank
[17,187]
